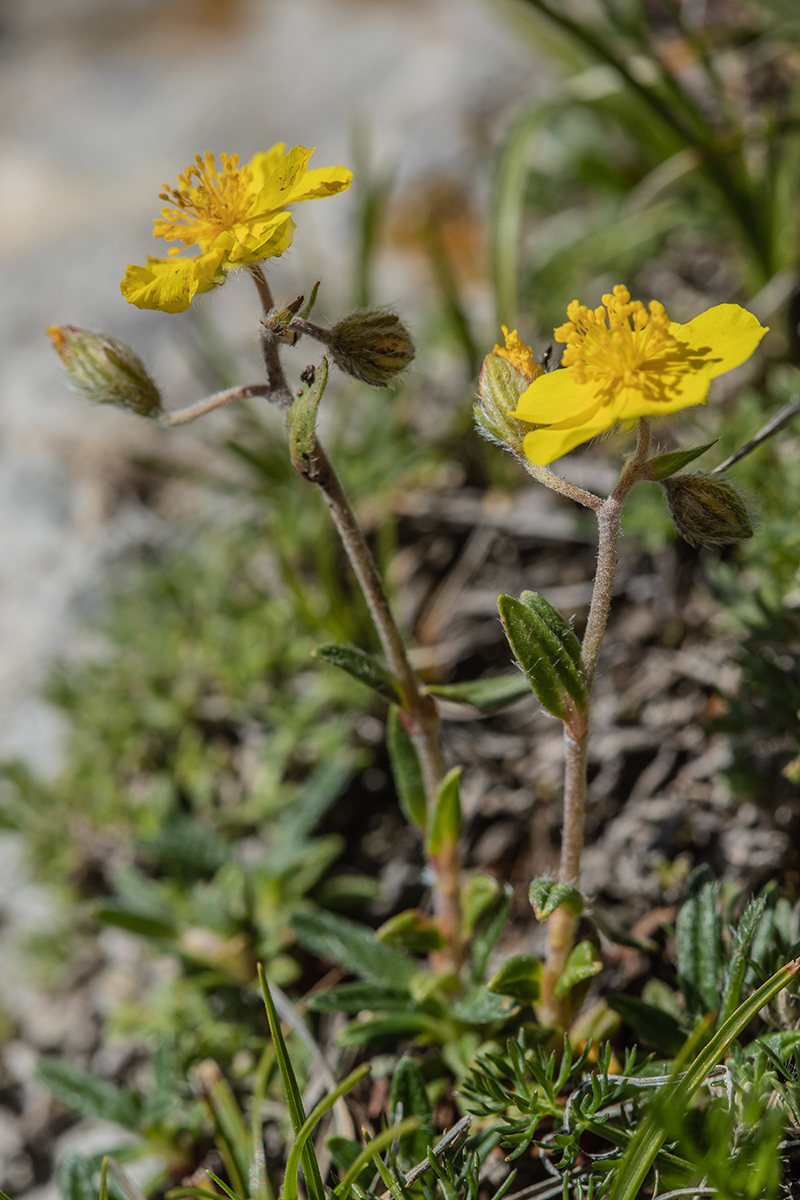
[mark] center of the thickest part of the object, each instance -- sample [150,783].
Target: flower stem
[182,416]
[562,926]
[420,713]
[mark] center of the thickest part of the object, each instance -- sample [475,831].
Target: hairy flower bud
[708,511]
[500,385]
[106,370]
[371,344]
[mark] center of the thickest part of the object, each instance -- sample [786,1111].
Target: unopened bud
[106,370]
[708,511]
[500,385]
[372,345]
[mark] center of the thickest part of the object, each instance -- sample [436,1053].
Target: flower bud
[106,370]
[708,511]
[372,345]
[500,385]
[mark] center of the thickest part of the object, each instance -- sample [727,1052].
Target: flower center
[620,345]
[206,202]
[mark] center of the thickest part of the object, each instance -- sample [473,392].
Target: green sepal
[407,771]
[301,422]
[477,897]
[519,977]
[665,465]
[546,895]
[558,626]
[445,825]
[486,695]
[361,666]
[413,931]
[548,664]
[305,312]
[583,963]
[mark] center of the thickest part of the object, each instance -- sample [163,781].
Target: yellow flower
[622,362]
[234,215]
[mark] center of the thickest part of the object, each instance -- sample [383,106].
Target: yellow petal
[726,334]
[263,239]
[170,284]
[555,398]
[263,164]
[284,179]
[322,181]
[543,446]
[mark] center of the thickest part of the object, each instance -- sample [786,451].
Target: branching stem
[182,416]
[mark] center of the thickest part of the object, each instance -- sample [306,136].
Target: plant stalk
[419,709]
[553,1010]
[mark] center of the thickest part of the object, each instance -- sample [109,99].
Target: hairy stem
[563,924]
[420,713]
[182,416]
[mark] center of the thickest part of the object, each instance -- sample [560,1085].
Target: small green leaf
[558,626]
[479,1006]
[359,997]
[409,1098]
[294,1100]
[76,1178]
[488,929]
[519,977]
[361,666]
[549,667]
[412,931]
[546,895]
[477,896]
[354,947]
[699,939]
[407,771]
[487,695]
[393,1026]
[305,312]
[302,420]
[665,465]
[583,963]
[445,826]
[134,922]
[652,1025]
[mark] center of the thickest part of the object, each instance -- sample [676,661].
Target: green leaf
[519,977]
[477,896]
[652,1025]
[583,963]
[407,771]
[651,1134]
[290,1181]
[699,937]
[558,626]
[302,420]
[412,931]
[148,927]
[546,895]
[294,1101]
[409,1098]
[359,997]
[488,930]
[665,465]
[393,1026]
[487,695]
[375,1147]
[76,1178]
[354,947]
[445,825]
[87,1095]
[361,666]
[548,665]
[479,1006]
[739,955]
